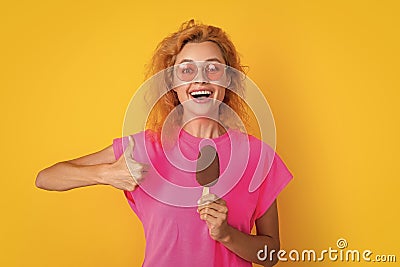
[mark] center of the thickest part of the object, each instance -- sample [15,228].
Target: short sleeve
[117,147]
[277,178]
[118,151]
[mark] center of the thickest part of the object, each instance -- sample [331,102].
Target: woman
[217,231]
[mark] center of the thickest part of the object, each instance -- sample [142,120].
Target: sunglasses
[211,71]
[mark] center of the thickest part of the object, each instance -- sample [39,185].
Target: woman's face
[200,92]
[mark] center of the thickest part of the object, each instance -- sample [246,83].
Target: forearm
[247,246]
[64,176]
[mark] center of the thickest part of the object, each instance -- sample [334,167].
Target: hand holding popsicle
[215,214]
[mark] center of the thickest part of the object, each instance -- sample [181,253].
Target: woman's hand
[94,169]
[120,176]
[215,213]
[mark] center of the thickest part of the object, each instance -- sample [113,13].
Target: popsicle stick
[206,191]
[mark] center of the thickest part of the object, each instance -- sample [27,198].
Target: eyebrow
[191,60]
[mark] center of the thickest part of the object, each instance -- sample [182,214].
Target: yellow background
[329,69]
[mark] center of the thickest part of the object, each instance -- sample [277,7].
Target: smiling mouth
[201,94]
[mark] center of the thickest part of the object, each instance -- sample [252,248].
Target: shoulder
[147,135]
[120,143]
[255,143]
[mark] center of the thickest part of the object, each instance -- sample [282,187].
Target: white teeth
[200,93]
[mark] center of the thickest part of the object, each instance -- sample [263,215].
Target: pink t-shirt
[252,175]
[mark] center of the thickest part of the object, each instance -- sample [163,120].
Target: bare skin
[200,127]
[101,168]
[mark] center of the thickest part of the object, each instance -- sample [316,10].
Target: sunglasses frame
[203,65]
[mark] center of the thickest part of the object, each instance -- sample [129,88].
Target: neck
[204,128]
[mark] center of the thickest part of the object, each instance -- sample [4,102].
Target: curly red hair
[165,57]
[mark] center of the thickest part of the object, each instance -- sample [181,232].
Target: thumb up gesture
[126,173]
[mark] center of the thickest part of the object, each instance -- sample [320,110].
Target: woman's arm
[83,171]
[94,169]
[244,245]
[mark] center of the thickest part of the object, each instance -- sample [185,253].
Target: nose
[200,77]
